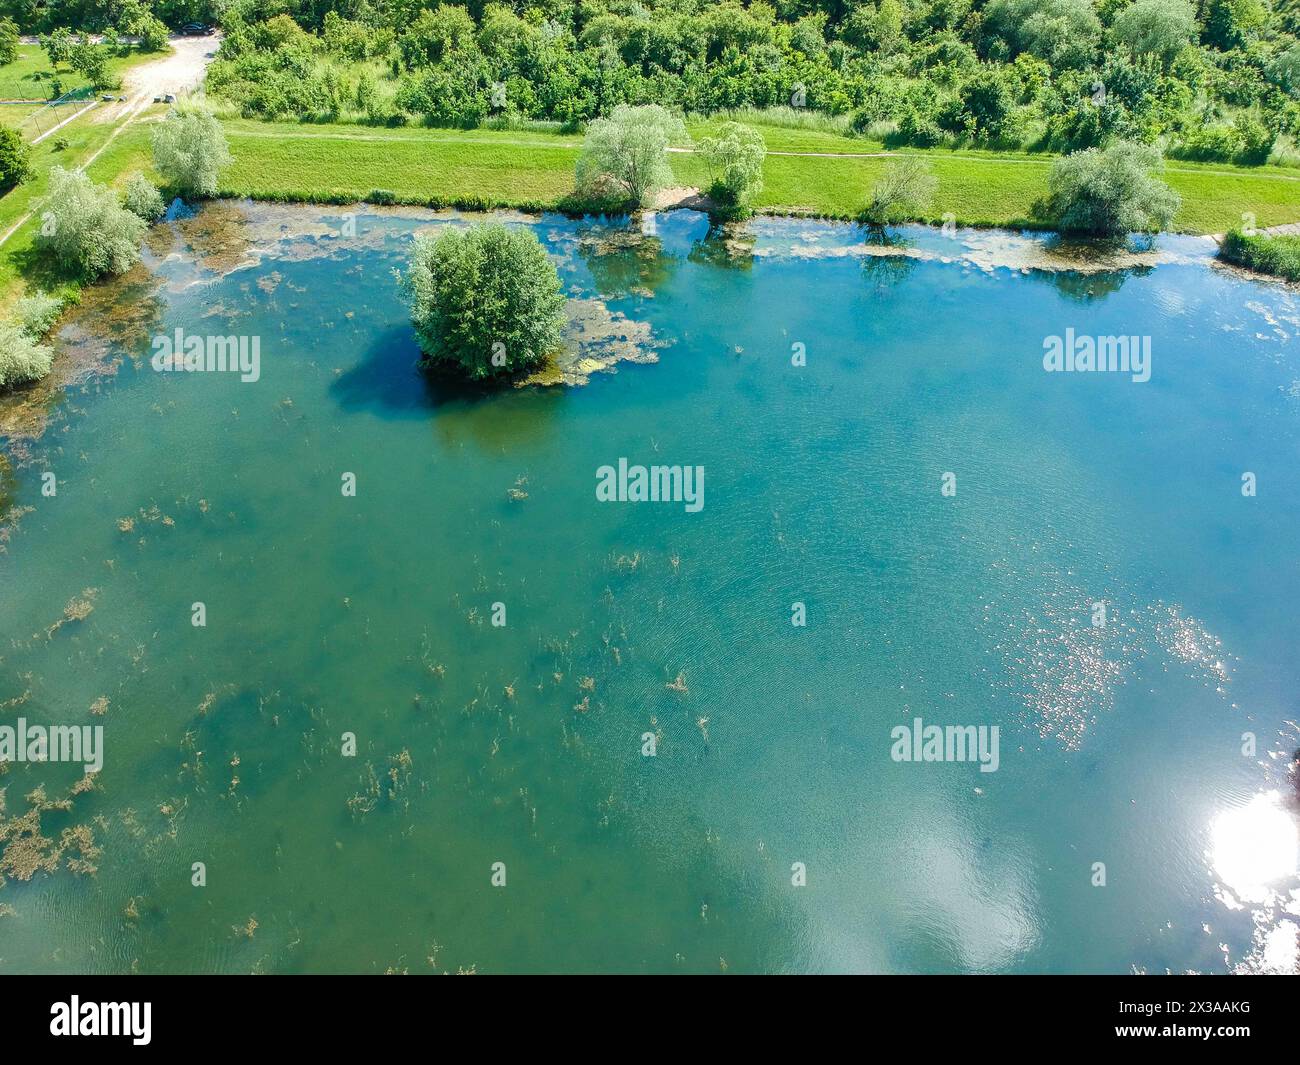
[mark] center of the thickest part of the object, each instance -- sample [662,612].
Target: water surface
[522,744]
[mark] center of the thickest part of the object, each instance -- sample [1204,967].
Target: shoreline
[247,231]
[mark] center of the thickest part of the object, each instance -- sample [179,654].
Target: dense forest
[1202,79]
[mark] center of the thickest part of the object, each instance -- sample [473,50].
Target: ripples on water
[1121,744]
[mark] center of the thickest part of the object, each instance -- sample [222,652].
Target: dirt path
[178,71]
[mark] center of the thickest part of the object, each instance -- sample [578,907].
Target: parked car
[195,29]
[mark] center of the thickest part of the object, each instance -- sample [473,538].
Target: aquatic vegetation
[528,742]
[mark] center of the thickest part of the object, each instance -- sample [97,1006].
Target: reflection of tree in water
[506,422]
[624,261]
[1085,288]
[730,246]
[887,269]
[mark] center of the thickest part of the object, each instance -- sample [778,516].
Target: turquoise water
[475,744]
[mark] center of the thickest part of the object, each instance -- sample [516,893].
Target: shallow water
[328,614]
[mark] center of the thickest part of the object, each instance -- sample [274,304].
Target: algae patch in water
[596,339]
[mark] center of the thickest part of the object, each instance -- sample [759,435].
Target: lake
[385,686]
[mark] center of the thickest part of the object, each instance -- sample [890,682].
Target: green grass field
[527,168]
[28,77]
[127,152]
[522,168]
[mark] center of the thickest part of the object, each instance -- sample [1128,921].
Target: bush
[484,300]
[15,159]
[1269,255]
[629,151]
[85,228]
[8,40]
[1160,28]
[1063,32]
[190,150]
[142,198]
[986,103]
[38,312]
[1110,191]
[905,190]
[734,157]
[919,130]
[150,29]
[22,357]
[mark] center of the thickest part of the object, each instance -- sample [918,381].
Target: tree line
[1211,79]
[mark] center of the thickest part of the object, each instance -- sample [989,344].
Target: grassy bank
[118,157]
[529,168]
[1277,255]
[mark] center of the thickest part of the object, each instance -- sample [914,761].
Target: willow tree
[485,301]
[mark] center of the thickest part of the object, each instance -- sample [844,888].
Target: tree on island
[485,301]
[627,153]
[1110,192]
[190,149]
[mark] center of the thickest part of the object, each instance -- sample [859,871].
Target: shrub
[84,227]
[150,29]
[8,40]
[1269,255]
[22,357]
[142,198]
[1110,191]
[629,151]
[15,159]
[190,150]
[919,130]
[1160,28]
[38,312]
[987,102]
[905,190]
[484,300]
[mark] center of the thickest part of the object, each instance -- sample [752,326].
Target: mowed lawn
[127,152]
[526,168]
[28,77]
[291,161]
